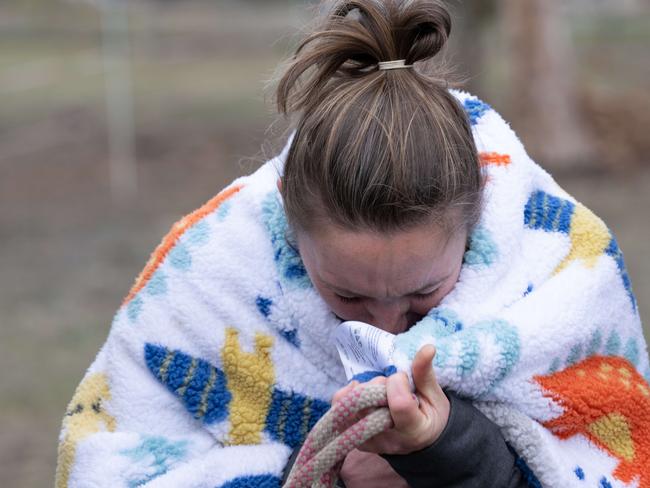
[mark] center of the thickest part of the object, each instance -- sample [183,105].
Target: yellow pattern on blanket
[85,416]
[589,238]
[250,381]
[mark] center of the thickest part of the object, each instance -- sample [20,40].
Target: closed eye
[416,296]
[348,299]
[424,296]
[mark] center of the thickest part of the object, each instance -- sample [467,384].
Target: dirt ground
[68,253]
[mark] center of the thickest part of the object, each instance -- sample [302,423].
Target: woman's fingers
[344,391]
[424,377]
[417,420]
[403,405]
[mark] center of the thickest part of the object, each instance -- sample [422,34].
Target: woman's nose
[389,315]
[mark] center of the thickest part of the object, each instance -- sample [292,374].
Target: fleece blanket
[222,358]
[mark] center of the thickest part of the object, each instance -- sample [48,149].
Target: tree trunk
[542,99]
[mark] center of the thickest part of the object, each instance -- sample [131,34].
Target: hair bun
[355,36]
[413,30]
[422,29]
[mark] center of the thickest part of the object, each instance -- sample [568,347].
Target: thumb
[424,377]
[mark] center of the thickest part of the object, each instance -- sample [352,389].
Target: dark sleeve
[470,452]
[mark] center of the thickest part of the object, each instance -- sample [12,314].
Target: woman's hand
[418,422]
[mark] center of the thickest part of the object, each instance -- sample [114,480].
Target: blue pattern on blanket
[579,473]
[527,473]
[604,483]
[548,212]
[475,109]
[291,335]
[554,214]
[292,415]
[615,252]
[264,305]
[256,481]
[158,453]
[203,389]
[287,260]
[366,376]
[200,386]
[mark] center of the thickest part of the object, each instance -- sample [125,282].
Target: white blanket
[221,357]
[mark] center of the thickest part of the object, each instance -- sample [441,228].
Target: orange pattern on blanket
[172,237]
[496,159]
[606,400]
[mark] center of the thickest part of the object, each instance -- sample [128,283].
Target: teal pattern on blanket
[287,260]
[482,249]
[574,355]
[460,348]
[179,258]
[134,308]
[631,352]
[223,210]
[437,323]
[594,343]
[156,455]
[198,234]
[613,344]
[157,284]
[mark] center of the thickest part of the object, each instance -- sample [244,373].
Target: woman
[221,358]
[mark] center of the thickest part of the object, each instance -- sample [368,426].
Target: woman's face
[389,281]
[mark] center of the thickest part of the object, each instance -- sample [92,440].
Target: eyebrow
[343,291]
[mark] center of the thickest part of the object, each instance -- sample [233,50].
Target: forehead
[371,264]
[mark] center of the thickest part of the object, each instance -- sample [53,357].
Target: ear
[280,185]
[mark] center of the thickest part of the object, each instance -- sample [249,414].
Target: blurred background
[117,119]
